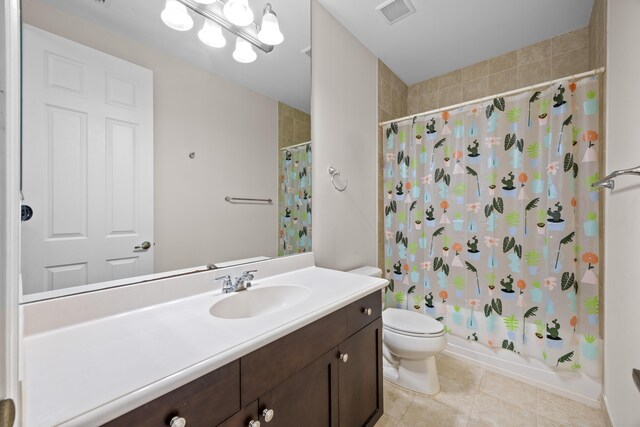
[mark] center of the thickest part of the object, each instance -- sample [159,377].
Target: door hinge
[7,413]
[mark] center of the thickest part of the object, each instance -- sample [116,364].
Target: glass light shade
[270,30]
[175,15]
[211,34]
[238,12]
[244,52]
[206,1]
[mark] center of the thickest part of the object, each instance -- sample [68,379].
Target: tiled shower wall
[546,60]
[392,103]
[294,126]
[597,34]
[392,94]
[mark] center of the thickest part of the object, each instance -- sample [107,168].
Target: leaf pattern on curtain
[294,202]
[491,224]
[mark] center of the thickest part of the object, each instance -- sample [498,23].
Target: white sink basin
[258,301]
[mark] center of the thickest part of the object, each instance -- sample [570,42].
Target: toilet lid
[410,322]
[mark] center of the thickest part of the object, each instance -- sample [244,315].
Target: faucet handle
[226,278]
[247,274]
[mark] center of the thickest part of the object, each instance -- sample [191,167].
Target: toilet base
[416,375]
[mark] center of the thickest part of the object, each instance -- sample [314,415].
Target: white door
[87,164]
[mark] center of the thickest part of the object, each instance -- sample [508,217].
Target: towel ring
[335,172]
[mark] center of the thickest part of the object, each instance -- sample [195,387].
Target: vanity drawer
[209,400]
[363,312]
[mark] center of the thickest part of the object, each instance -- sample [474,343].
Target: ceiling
[442,36]
[283,74]
[445,35]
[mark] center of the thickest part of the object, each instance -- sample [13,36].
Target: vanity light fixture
[244,52]
[238,12]
[270,31]
[211,34]
[218,14]
[175,15]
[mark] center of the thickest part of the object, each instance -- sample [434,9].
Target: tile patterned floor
[471,396]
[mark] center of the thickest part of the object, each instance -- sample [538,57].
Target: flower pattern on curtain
[294,200]
[491,223]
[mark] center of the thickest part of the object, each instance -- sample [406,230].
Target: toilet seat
[412,324]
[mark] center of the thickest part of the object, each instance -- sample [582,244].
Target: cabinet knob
[344,357]
[268,415]
[367,311]
[253,423]
[177,422]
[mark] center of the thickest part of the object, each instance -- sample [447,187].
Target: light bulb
[175,15]
[238,12]
[244,52]
[270,30]
[211,34]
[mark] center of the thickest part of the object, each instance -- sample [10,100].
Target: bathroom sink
[258,301]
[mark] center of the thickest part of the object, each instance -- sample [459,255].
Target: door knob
[344,357]
[177,422]
[253,423]
[143,246]
[367,311]
[268,415]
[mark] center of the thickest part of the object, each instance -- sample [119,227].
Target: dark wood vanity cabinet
[208,400]
[360,379]
[326,374]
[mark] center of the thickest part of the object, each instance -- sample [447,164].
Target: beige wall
[233,132]
[345,112]
[549,59]
[294,126]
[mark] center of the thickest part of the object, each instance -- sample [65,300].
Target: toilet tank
[372,272]
[367,271]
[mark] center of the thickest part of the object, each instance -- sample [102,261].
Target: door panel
[66,142]
[87,164]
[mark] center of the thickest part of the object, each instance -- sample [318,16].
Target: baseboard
[605,409]
[572,385]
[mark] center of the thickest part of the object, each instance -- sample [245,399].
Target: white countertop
[91,372]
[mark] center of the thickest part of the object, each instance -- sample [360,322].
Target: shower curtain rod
[487,98]
[297,145]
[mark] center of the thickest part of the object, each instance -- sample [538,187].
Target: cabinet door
[360,377]
[309,398]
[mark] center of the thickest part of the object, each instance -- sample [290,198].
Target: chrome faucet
[242,282]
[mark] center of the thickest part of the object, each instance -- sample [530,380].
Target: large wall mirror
[138,136]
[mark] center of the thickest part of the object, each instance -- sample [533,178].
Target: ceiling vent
[105,3]
[395,10]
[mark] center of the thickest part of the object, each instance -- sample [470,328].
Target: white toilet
[410,342]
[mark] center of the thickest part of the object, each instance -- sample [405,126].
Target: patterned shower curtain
[295,200]
[491,224]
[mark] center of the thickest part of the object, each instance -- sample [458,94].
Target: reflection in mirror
[135,133]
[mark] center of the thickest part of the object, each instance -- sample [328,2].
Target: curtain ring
[335,172]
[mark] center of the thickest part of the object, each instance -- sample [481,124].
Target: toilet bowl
[410,343]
